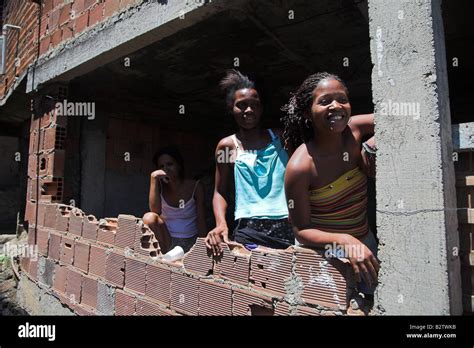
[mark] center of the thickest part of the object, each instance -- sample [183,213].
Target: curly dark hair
[232,82]
[296,132]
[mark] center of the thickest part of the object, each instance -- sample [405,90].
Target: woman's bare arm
[362,125]
[219,202]
[154,197]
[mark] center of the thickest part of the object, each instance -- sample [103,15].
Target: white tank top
[181,221]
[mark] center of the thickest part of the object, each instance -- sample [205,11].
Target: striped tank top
[341,206]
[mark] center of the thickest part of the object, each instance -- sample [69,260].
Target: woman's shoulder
[226,142]
[301,161]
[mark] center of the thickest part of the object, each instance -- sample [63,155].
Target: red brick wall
[63,20]
[98,274]
[22,13]
[142,140]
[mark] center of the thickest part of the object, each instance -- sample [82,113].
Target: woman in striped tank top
[326,178]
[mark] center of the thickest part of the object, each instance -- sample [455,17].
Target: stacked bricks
[45,183]
[465,202]
[101,275]
[62,21]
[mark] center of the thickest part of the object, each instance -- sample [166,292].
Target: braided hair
[296,131]
[232,82]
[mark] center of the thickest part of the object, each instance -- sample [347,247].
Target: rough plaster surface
[37,301]
[416,215]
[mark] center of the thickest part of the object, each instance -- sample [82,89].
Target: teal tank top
[259,181]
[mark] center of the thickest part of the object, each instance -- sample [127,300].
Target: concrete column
[416,199]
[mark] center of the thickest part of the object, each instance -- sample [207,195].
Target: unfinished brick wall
[66,19]
[47,153]
[21,45]
[109,267]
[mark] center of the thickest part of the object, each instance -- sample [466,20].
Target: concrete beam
[416,196]
[118,36]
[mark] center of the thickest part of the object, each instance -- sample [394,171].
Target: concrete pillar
[416,199]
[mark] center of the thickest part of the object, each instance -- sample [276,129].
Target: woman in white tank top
[177,215]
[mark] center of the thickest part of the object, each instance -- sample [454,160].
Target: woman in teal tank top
[256,160]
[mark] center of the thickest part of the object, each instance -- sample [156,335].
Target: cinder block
[215,298]
[41,213]
[67,250]
[135,276]
[42,240]
[53,20]
[184,294]
[96,14]
[49,139]
[90,227]
[105,299]
[52,163]
[125,303]
[111,7]
[127,226]
[54,250]
[51,190]
[97,260]
[282,309]
[82,22]
[307,311]
[325,282]
[148,308]
[270,269]
[76,219]
[106,232]
[89,291]
[30,211]
[145,241]
[198,260]
[64,14]
[233,264]
[73,286]
[81,255]
[62,217]
[78,6]
[55,40]
[158,279]
[50,215]
[60,278]
[247,302]
[115,269]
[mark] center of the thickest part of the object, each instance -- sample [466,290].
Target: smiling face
[247,108]
[169,165]
[331,109]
